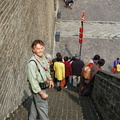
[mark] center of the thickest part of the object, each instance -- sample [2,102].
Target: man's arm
[50,82]
[43,94]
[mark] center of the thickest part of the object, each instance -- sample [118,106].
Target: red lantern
[81,30]
[80,41]
[81,35]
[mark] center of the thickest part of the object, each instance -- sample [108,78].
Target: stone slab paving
[63,105]
[95,10]
[68,105]
[106,48]
[92,29]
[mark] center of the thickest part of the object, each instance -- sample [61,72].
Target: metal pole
[81,43]
[82,24]
[80,50]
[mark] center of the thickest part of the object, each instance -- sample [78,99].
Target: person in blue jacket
[69,3]
[116,62]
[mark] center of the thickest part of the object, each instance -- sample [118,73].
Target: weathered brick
[107,95]
[21,22]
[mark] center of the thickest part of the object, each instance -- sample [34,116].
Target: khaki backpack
[86,72]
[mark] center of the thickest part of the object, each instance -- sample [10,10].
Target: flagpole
[81,34]
[81,39]
[80,50]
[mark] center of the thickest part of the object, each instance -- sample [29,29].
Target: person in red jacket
[93,60]
[68,70]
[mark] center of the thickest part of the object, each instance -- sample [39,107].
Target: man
[77,66]
[38,74]
[94,60]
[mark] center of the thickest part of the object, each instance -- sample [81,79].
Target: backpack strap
[37,68]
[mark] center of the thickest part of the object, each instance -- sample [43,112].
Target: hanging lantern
[80,41]
[81,30]
[81,35]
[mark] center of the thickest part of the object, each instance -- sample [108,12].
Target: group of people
[42,70]
[65,68]
[116,66]
[82,75]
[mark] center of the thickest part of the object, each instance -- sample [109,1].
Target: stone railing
[106,95]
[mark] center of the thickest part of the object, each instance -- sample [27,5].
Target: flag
[83,16]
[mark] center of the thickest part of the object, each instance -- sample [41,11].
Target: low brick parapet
[106,95]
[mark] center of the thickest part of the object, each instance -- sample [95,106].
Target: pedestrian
[59,69]
[70,60]
[115,63]
[77,66]
[71,77]
[69,3]
[86,85]
[48,57]
[55,59]
[68,70]
[118,69]
[93,60]
[38,77]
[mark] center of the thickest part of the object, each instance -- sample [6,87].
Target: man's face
[38,50]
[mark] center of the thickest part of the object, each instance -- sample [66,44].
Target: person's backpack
[86,72]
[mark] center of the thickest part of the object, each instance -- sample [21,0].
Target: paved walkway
[99,35]
[101,30]
[68,105]
[92,29]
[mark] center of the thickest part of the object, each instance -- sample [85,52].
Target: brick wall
[106,95]
[21,22]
